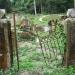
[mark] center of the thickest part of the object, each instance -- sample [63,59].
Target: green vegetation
[42,6]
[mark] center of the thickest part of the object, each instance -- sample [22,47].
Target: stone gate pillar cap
[71,12]
[2,13]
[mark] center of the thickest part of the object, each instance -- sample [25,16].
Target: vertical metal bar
[42,51]
[44,44]
[51,41]
[56,49]
[16,40]
[58,43]
[55,46]
[48,47]
[40,45]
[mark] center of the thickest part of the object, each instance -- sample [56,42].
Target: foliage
[60,35]
[57,38]
[32,60]
[5,4]
[29,58]
[42,6]
[45,6]
[10,71]
[63,71]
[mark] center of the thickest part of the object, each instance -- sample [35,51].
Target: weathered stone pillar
[6,52]
[4,44]
[69,29]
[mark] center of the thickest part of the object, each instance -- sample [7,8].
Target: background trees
[42,6]
[5,4]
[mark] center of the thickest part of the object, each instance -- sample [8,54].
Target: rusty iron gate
[53,46]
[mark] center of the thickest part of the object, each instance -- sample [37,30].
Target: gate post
[6,52]
[5,44]
[69,56]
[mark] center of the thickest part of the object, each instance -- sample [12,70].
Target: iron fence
[53,45]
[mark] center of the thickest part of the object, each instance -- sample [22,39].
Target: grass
[30,58]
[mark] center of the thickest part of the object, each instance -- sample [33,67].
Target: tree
[47,6]
[5,4]
[35,7]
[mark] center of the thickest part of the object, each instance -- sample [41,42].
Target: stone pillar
[6,51]
[69,29]
[4,48]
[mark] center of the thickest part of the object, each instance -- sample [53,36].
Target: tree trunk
[35,7]
[74,3]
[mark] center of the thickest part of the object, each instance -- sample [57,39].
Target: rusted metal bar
[42,51]
[16,39]
[40,43]
[51,41]
[44,47]
[47,42]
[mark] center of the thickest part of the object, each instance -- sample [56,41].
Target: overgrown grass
[31,59]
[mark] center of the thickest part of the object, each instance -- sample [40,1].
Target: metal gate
[53,46]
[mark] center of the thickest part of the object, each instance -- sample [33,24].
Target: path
[41,18]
